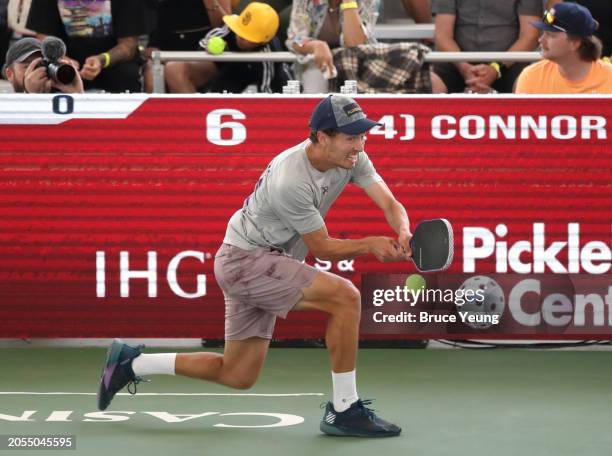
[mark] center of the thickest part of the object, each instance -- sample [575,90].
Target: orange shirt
[544,77]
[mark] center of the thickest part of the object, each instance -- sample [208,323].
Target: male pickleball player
[261,271]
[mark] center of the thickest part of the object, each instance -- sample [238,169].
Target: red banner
[114,206]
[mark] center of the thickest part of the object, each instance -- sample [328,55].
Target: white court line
[61,393]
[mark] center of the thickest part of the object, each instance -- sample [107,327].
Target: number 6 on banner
[214,126]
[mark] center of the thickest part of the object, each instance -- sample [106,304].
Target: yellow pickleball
[215,45]
[416,282]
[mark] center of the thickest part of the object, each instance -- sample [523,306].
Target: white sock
[345,390]
[156,363]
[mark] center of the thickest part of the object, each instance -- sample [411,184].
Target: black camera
[53,49]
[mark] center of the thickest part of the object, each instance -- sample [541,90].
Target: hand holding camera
[53,70]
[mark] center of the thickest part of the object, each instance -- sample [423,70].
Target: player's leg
[238,366]
[341,300]
[346,415]
[248,329]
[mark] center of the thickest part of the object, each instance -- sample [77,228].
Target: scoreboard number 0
[63,104]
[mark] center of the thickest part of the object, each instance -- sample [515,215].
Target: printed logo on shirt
[86,18]
[325,189]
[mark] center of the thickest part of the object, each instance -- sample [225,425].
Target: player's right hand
[386,249]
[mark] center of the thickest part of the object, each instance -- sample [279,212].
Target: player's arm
[324,247]
[394,211]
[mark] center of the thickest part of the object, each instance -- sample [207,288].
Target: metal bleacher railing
[404,31]
[165,56]
[382,32]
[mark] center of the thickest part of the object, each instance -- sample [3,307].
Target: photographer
[25,70]
[102,36]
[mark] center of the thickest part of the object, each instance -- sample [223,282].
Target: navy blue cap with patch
[340,113]
[570,18]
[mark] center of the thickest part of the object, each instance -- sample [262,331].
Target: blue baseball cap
[340,113]
[570,18]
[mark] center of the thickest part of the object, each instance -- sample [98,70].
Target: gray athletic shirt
[291,198]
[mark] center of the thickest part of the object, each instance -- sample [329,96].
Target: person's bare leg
[238,366]
[188,77]
[341,300]
[437,85]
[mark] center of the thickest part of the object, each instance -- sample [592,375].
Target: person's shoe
[117,372]
[357,421]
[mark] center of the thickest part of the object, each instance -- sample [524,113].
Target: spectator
[419,10]
[571,55]
[255,36]
[467,25]
[384,68]
[101,36]
[179,26]
[17,16]
[317,27]
[26,75]
[282,7]
[253,31]
[601,13]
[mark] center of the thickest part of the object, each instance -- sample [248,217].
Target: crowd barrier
[160,57]
[113,207]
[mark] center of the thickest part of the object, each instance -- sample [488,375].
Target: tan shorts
[259,285]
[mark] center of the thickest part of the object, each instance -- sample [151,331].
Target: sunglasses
[550,19]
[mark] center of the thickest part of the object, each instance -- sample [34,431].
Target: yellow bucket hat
[258,23]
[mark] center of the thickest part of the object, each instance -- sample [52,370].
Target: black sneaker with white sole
[117,372]
[357,421]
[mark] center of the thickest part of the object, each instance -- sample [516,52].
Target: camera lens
[62,73]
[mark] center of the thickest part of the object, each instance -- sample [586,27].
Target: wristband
[107,60]
[348,5]
[497,67]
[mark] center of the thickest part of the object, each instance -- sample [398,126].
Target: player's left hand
[404,241]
